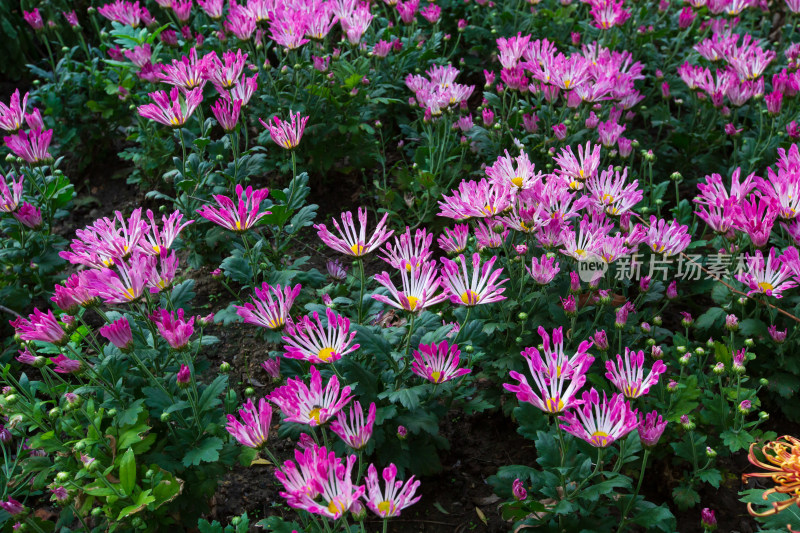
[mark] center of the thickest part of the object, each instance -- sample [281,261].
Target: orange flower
[783,467]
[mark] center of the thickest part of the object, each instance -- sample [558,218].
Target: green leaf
[131,414]
[183,294]
[710,318]
[207,451]
[127,472]
[737,440]
[237,268]
[710,476]
[649,515]
[752,327]
[210,396]
[141,502]
[685,497]
[276,524]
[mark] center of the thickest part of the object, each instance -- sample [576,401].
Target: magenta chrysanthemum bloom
[25,357]
[172,326]
[289,31]
[12,506]
[505,173]
[438,363]
[286,133]
[272,367]
[322,475]
[418,288]
[651,427]
[771,276]
[627,374]
[555,353]
[65,365]
[182,9]
[356,23]
[480,288]
[74,294]
[356,432]
[454,241]
[408,252]
[311,341]
[395,497]
[28,215]
[32,146]
[600,423]
[123,287]
[72,18]
[253,430]
[12,116]
[270,307]
[187,73]
[163,268]
[34,18]
[155,240]
[543,270]
[475,199]
[40,327]
[118,333]
[123,12]
[240,216]
[558,384]
[350,241]
[312,404]
[240,22]
[667,238]
[577,170]
[174,109]
[212,8]
[609,192]
[756,217]
[224,72]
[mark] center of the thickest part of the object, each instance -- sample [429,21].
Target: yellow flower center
[336,507]
[554,405]
[175,121]
[517,181]
[325,355]
[630,391]
[489,210]
[581,173]
[600,438]
[575,185]
[659,247]
[157,249]
[386,508]
[314,414]
[580,251]
[470,297]
[765,286]
[275,323]
[436,376]
[129,294]
[238,224]
[412,302]
[607,198]
[108,262]
[566,84]
[358,249]
[408,266]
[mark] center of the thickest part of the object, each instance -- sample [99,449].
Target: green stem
[361,291]
[635,493]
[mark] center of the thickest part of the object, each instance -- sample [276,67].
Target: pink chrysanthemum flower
[270,306]
[286,134]
[74,294]
[28,215]
[608,13]
[226,71]
[505,173]
[212,8]
[555,353]
[330,481]
[182,9]
[756,217]
[172,326]
[124,287]
[438,363]
[240,22]
[600,424]
[480,288]
[118,333]
[356,23]
[354,430]
[543,270]
[651,427]
[40,327]
[350,241]
[770,277]
[12,116]
[408,252]
[418,288]
[320,21]
[187,73]
[558,385]
[577,170]
[34,18]
[311,341]
[396,496]
[475,199]
[162,271]
[65,365]
[174,109]
[123,12]
[311,405]
[667,238]
[454,241]
[155,240]
[237,216]
[253,430]
[32,146]
[609,192]
[628,373]
[10,197]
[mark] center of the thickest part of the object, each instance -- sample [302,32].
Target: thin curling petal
[353,429]
[351,241]
[627,373]
[240,215]
[395,496]
[253,430]
[310,341]
[310,404]
[481,287]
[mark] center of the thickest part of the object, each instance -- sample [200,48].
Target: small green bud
[62,477]
[112,412]
[710,452]
[680,349]
[97,511]
[468,348]
[249,392]
[749,343]
[225,367]
[166,417]
[522,316]
[699,350]
[149,474]
[54,413]
[763,382]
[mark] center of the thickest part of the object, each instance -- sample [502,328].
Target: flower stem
[635,493]
[361,292]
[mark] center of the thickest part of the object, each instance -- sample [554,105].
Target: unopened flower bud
[749,343]
[710,452]
[402,432]
[731,323]
[719,369]
[249,392]
[225,367]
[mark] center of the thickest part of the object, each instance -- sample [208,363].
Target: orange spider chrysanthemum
[783,467]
